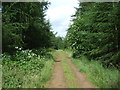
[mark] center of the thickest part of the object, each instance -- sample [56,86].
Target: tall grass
[97,74]
[100,76]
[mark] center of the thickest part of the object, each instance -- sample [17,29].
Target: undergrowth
[26,69]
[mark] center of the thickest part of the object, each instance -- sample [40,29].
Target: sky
[59,13]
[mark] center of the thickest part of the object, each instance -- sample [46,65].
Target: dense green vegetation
[58,43]
[24,25]
[29,44]
[101,77]
[27,39]
[95,32]
[26,69]
[94,39]
[97,74]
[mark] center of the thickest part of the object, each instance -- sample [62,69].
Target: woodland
[29,44]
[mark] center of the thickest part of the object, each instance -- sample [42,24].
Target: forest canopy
[25,26]
[95,32]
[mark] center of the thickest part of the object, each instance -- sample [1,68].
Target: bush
[25,69]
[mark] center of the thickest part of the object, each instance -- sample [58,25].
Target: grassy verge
[97,74]
[27,70]
[70,77]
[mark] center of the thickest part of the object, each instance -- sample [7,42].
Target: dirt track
[58,79]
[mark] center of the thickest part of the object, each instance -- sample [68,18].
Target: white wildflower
[20,48]
[16,47]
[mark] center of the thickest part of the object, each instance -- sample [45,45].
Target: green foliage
[95,32]
[24,25]
[26,69]
[97,74]
[58,43]
[27,59]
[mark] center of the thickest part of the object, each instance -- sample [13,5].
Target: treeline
[27,38]
[58,43]
[95,32]
[24,25]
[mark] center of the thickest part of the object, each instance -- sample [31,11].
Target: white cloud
[59,13]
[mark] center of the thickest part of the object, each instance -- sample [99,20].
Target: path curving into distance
[66,74]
